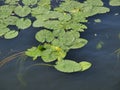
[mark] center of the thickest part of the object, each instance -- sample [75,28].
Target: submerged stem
[9,58]
[40,64]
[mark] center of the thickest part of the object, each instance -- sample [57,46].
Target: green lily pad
[85,65]
[4,31]
[6,11]
[11,2]
[78,43]
[23,23]
[29,2]
[33,52]
[44,35]
[68,66]
[11,34]
[114,2]
[22,11]
[11,20]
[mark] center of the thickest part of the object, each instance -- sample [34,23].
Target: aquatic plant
[60,28]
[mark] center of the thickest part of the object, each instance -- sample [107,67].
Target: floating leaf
[6,11]
[11,20]
[12,2]
[114,2]
[94,3]
[68,66]
[44,35]
[38,23]
[33,52]
[39,11]
[4,31]
[49,56]
[11,34]
[97,20]
[79,43]
[23,23]
[45,4]
[99,45]
[85,65]
[22,11]
[29,2]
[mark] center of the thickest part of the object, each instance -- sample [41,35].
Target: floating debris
[99,45]
[97,20]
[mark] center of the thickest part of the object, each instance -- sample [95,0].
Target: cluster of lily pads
[60,27]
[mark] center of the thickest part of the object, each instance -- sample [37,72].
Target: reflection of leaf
[68,66]
[4,31]
[11,34]
[33,52]
[22,11]
[44,35]
[29,2]
[85,65]
[23,23]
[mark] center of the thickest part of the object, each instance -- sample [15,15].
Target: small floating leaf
[49,56]
[23,23]
[85,65]
[97,20]
[29,2]
[11,2]
[4,31]
[33,52]
[11,34]
[79,43]
[6,11]
[68,66]
[44,35]
[22,11]
[11,20]
[99,45]
[114,2]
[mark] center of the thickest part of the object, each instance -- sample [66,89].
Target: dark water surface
[104,74]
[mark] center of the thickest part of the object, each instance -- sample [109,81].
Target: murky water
[104,74]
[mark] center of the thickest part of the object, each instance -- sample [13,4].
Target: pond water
[103,75]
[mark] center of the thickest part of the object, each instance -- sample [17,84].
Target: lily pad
[49,56]
[85,65]
[4,31]
[33,52]
[11,20]
[22,11]
[68,66]
[6,11]
[23,23]
[11,34]
[44,35]
[114,2]
[29,2]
